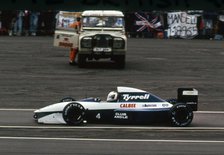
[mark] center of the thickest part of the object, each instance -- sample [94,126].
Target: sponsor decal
[120,115]
[65,44]
[149,105]
[127,105]
[128,97]
[165,105]
[189,92]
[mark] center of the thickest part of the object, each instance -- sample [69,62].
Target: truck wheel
[120,60]
[81,60]
[73,114]
[181,115]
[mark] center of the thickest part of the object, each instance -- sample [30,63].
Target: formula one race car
[124,106]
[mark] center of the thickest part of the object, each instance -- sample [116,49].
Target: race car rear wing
[188,96]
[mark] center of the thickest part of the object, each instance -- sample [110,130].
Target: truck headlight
[86,42]
[118,43]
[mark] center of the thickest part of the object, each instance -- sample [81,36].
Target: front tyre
[181,115]
[73,114]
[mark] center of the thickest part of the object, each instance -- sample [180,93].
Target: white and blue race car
[124,106]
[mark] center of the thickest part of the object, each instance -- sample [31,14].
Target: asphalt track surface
[35,74]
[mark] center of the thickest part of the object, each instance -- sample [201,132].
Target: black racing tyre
[81,60]
[181,115]
[73,113]
[67,99]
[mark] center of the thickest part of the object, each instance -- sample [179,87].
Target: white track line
[210,112]
[116,127]
[6,109]
[112,140]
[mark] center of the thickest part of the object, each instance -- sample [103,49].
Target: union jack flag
[146,22]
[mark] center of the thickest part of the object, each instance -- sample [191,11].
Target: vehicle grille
[102,41]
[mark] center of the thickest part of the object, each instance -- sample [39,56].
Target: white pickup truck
[102,35]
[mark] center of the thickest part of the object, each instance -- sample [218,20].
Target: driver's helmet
[112,96]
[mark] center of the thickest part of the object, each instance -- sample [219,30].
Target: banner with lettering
[181,24]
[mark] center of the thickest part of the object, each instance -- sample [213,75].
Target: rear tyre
[73,114]
[181,115]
